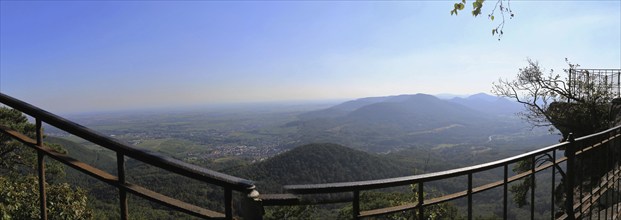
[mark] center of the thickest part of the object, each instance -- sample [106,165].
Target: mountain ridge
[382,123]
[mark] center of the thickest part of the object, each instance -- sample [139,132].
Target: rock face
[579,119]
[615,112]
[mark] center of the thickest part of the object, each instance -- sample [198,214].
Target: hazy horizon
[246,106]
[75,56]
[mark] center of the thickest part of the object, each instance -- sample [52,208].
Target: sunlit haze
[73,56]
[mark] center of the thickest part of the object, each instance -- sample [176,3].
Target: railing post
[532,188]
[41,171]
[504,191]
[421,199]
[356,205]
[552,210]
[228,203]
[618,84]
[570,83]
[469,192]
[570,153]
[251,205]
[120,163]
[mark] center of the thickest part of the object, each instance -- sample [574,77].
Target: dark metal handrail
[228,182]
[406,180]
[571,149]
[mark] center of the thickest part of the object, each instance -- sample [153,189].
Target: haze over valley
[386,124]
[277,144]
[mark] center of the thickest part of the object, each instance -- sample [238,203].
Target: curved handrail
[146,156]
[399,181]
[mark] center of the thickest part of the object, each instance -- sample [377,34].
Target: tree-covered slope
[320,163]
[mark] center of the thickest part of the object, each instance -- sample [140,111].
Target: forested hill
[382,124]
[320,163]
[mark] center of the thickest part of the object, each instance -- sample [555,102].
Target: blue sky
[72,56]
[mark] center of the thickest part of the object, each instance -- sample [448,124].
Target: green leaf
[476,12]
[492,17]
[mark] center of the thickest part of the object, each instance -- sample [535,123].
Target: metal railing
[605,81]
[227,182]
[578,200]
[581,200]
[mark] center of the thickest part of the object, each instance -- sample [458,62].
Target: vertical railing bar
[569,182]
[618,185]
[608,169]
[41,171]
[552,210]
[504,191]
[599,211]
[602,187]
[580,172]
[597,185]
[615,207]
[590,191]
[120,165]
[39,132]
[356,205]
[228,203]
[616,200]
[616,175]
[581,178]
[570,83]
[532,188]
[421,199]
[469,196]
[591,202]
[619,156]
[605,167]
[611,175]
[613,196]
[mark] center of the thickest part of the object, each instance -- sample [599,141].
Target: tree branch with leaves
[502,6]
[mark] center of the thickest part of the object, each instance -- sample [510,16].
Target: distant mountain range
[489,104]
[380,122]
